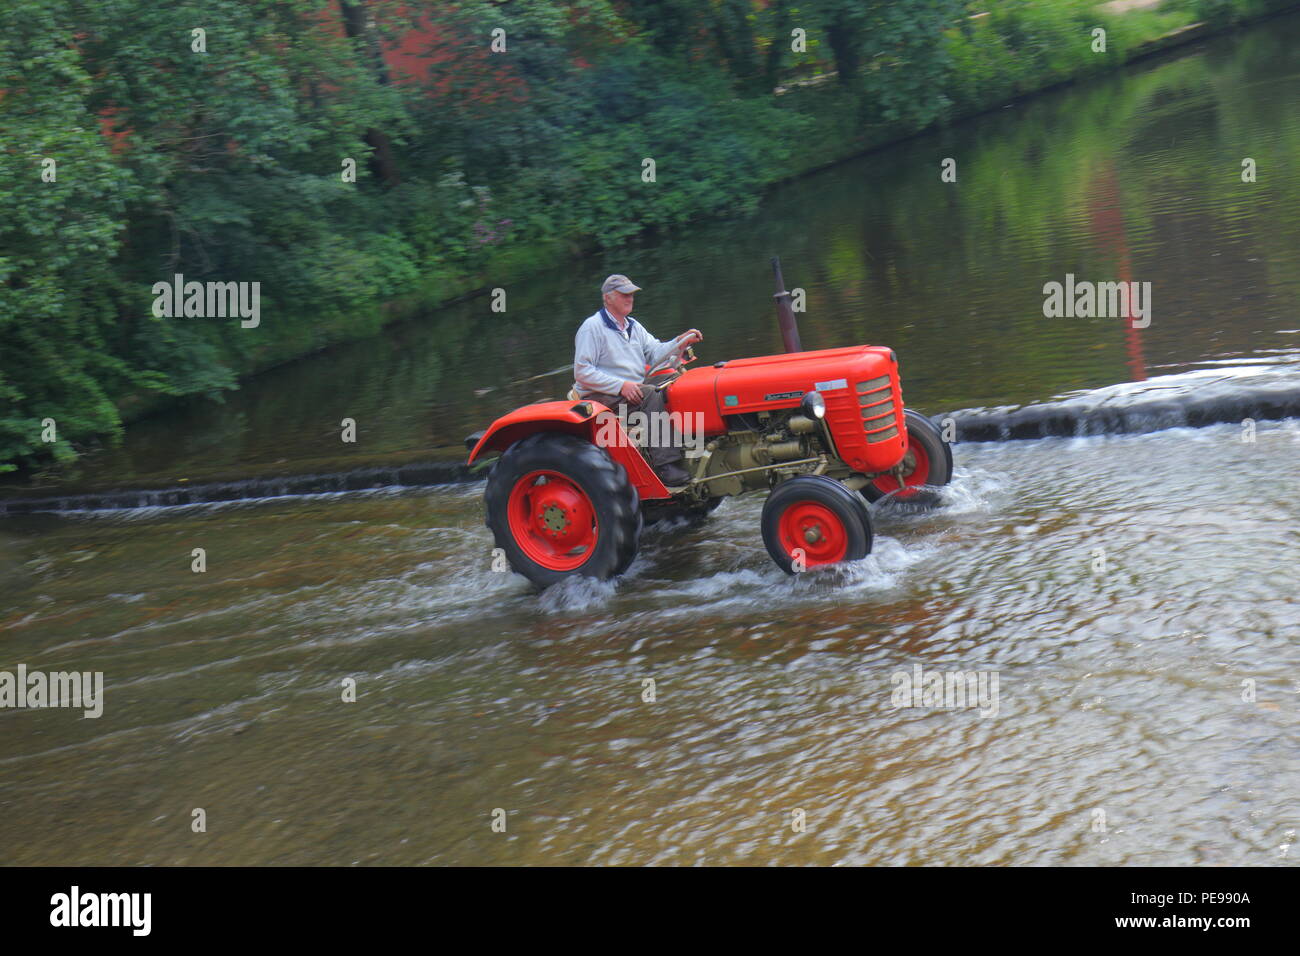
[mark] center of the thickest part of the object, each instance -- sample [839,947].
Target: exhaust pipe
[784,311]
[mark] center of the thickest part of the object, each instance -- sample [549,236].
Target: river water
[1134,595]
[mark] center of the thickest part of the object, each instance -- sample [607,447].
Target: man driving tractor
[818,433]
[611,353]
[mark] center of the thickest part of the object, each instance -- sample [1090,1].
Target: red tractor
[818,430]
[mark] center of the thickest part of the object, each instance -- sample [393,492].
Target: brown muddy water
[1134,595]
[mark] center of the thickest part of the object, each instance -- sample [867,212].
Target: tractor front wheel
[813,520]
[927,461]
[559,506]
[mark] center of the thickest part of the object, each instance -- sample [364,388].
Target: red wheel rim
[552,520]
[816,529]
[916,471]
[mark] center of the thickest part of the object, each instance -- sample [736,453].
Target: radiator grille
[879,416]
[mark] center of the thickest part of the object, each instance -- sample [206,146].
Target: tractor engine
[744,458]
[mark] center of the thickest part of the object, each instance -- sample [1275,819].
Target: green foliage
[226,168]
[893,54]
[1021,46]
[58,309]
[225,165]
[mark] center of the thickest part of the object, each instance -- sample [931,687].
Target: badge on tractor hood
[779,396]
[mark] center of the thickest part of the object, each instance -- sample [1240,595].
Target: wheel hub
[553,518]
[814,529]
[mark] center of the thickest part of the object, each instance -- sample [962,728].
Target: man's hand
[689,337]
[631,391]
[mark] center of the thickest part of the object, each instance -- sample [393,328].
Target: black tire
[924,432]
[613,499]
[833,498]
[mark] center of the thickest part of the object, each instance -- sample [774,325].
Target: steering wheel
[675,365]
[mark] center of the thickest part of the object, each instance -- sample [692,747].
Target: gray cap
[618,283]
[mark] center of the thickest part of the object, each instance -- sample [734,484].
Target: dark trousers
[652,400]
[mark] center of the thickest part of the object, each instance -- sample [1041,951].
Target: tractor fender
[590,421]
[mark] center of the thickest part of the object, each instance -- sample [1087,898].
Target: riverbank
[1135,31]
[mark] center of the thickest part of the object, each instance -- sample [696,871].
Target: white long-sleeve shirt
[605,356]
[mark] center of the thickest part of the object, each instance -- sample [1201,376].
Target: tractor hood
[859,384]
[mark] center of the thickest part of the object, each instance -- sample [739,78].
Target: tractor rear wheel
[813,520]
[559,506]
[927,461]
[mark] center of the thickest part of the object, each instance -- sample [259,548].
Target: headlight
[813,405]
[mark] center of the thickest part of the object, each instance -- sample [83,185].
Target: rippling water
[1135,595]
[1120,688]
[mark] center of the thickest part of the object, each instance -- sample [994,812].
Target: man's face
[622,301]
